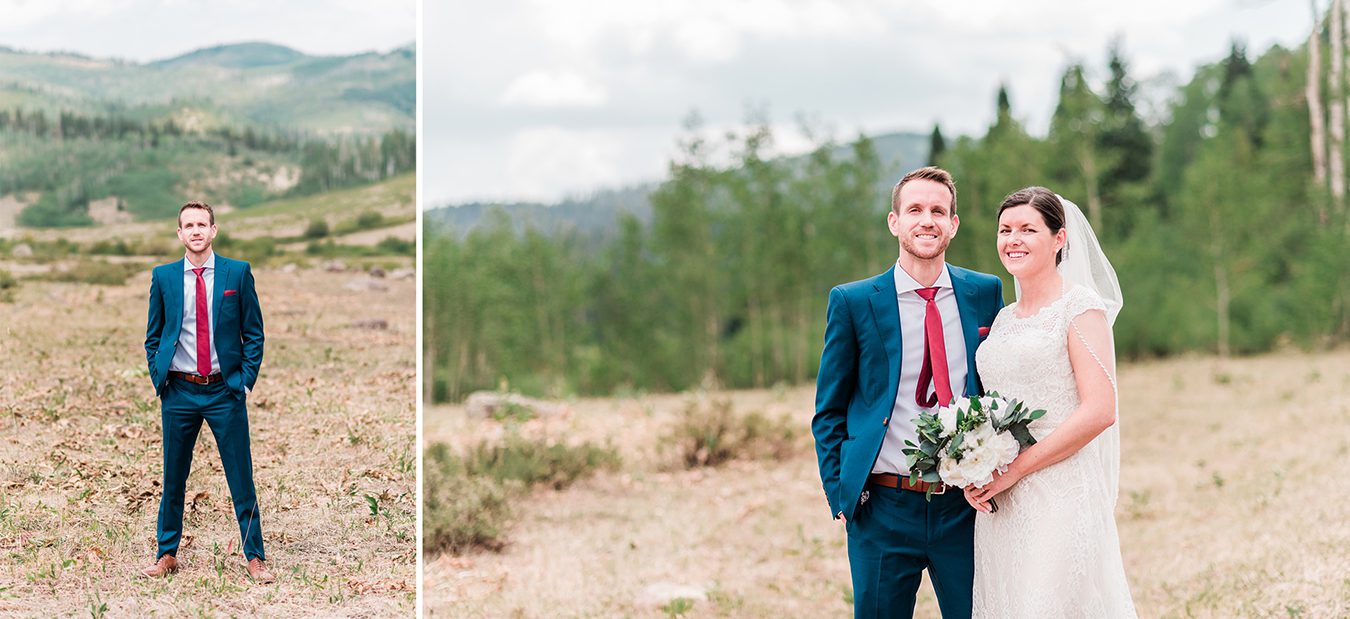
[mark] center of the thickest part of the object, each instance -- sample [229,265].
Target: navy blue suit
[237,337]
[895,534]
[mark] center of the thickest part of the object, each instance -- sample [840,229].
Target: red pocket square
[984,331]
[230,292]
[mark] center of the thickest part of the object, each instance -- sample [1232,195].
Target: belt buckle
[943,488]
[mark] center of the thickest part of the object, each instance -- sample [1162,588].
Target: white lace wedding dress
[1051,549]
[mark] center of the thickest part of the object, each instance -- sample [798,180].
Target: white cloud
[146,30]
[548,160]
[860,65]
[698,30]
[562,89]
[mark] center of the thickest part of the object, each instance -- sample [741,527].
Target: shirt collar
[209,265]
[904,283]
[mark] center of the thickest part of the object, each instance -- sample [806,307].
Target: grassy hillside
[250,83]
[87,141]
[371,225]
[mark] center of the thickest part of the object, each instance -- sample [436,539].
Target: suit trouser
[183,407]
[895,535]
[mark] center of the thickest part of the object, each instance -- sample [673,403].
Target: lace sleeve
[1080,299]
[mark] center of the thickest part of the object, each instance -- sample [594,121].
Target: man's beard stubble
[908,245]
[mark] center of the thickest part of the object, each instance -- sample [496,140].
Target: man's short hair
[195,204]
[930,173]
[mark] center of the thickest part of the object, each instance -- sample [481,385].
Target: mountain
[254,83]
[597,215]
[237,56]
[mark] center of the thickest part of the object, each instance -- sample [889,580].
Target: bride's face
[1026,245]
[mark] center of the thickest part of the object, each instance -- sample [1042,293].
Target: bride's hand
[982,496]
[970,492]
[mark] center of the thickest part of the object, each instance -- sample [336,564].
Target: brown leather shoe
[257,570]
[166,565]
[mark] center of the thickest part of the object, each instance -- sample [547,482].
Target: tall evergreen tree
[1074,134]
[936,145]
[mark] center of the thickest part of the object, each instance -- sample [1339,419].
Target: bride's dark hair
[1045,202]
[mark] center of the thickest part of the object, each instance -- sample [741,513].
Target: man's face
[925,223]
[195,230]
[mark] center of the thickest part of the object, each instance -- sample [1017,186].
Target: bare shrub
[461,511]
[466,502]
[709,432]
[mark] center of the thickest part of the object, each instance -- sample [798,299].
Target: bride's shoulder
[1080,298]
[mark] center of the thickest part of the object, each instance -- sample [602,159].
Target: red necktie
[934,356]
[203,326]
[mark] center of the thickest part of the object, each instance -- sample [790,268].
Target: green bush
[255,249]
[7,286]
[466,502]
[244,196]
[711,433]
[461,511]
[557,465]
[96,272]
[368,220]
[106,247]
[396,246]
[318,228]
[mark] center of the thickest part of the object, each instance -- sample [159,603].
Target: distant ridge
[596,216]
[251,83]
[246,55]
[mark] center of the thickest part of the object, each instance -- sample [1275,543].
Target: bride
[1048,547]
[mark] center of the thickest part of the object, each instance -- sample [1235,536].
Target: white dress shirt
[912,313]
[185,355]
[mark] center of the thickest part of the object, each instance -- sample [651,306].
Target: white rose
[952,472]
[980,434]
[1004,448]
[978,466]
[947,415]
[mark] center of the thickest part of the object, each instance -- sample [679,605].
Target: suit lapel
[886,314]
[966,299]
[175,301]
[218,292]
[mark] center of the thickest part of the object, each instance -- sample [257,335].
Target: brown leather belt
[197,378]
[891,480]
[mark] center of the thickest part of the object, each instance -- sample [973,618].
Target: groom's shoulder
[859,287]
[168,267]
[229,261]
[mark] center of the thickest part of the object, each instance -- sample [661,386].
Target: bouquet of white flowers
[963,444]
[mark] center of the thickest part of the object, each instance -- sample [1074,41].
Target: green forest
[1226,221]
[70,159]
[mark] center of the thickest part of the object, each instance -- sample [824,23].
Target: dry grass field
[333,431]
[1233,504]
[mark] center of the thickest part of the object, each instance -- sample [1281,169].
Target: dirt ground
[1232,504]
[332,428]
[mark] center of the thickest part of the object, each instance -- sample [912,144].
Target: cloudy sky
[540,99]
[146,30]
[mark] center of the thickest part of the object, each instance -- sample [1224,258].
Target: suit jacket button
[886,421]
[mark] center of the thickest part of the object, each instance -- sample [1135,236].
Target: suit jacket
[238,332]
[860,373]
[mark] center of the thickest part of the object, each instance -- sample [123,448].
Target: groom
[204,345]
[897,344]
